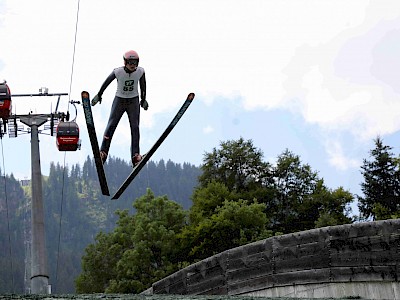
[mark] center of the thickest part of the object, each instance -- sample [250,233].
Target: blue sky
[319,78]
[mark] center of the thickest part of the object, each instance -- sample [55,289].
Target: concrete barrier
[354,260]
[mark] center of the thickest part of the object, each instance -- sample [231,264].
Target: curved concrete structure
[340,261]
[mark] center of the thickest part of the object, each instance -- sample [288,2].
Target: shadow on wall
[354,260]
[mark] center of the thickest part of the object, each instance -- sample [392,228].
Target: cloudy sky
[319,78]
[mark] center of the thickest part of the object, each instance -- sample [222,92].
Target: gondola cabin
[5,101]
[68,136]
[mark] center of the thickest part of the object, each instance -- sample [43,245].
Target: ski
[93,141]
[147,156]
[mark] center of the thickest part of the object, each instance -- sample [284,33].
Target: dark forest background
[72,195]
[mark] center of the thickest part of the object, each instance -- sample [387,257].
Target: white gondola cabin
[68,136]
[5,101]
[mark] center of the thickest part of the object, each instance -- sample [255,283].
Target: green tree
[333,206]
[237,164]
[207,199]
[381,186]
[295,183]
[98,264]
[302,200]
[233,223]
[141,250]
[295,197]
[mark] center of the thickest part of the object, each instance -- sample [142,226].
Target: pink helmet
[131,55]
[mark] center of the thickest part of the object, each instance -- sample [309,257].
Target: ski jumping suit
[126,100]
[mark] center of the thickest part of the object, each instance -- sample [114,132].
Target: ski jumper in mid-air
[129,77]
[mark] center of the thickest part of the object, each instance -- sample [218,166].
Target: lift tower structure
[39,279]
[39,266]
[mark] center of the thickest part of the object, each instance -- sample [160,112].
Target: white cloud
[337,157]
[348,83]
[208,129]
[322,107]
[219,52]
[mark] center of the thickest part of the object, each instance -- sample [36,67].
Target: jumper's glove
[144,104]
[96,99]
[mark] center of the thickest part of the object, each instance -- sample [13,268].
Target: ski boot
[103,156]
[136,159]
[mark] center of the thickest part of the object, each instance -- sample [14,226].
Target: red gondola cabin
[5,101]
[68,136]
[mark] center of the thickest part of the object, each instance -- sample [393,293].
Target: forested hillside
[76,212]
[12,228]
[124,246]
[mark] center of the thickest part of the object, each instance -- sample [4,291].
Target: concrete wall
[339,261]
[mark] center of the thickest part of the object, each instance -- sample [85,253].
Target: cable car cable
[63,179]
[8,220]
[73,55]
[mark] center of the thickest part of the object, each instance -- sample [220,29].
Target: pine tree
[381,184]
